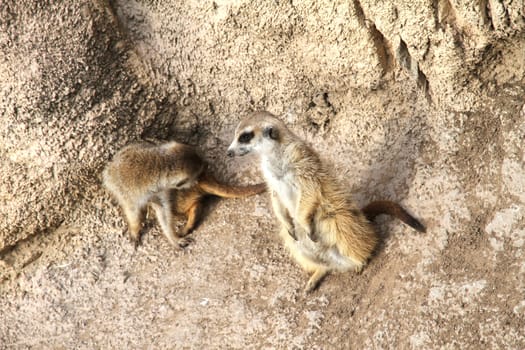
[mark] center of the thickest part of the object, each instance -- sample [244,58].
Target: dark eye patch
[182,182]
[246,137]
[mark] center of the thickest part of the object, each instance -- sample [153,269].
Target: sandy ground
[460,285]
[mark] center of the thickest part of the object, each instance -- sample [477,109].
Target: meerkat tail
[376,208]
[210,185]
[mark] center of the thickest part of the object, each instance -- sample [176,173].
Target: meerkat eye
[246,137]
[182,183]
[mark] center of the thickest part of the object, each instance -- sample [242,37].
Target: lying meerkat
[172,178]
[322,227]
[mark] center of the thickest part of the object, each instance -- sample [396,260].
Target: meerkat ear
[271,133]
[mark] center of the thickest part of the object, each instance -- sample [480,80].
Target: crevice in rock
[447,19]
[383,48]
[403,56]
[422,84]
[407,62]
[436,13]
[499,14]
[381,44]
[359,13]
[446,14]
[486,15]
[507,21]
[142,67]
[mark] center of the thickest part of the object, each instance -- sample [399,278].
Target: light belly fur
[284,188]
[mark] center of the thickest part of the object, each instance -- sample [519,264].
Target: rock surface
[420,102]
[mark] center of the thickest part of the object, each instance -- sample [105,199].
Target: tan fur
[172,178]
[321,226]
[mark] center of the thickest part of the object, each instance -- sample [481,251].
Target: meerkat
[172,178]
[321,225]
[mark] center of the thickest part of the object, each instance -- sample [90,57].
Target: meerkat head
[260,133]
[182,165]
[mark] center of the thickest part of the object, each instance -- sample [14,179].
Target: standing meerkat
[172,178]
[322,227]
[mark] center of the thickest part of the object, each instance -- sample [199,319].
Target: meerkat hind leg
[133,217]
[315,279]
[193,216]
[164,217]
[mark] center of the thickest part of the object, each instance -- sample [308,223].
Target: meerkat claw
[311,286]
[184,242]
[135,240]
[313,237]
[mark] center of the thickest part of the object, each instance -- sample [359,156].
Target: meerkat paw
[183,242]
[315,280]
[310,287]
[312,232]
[359,268]
[185,231]
[135,239]
[308,233]
[309,230]
[291,232]
[288,231]
[313,237]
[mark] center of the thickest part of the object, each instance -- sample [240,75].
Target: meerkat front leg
[306,208]
[282,215]
[315,279]
[133,214]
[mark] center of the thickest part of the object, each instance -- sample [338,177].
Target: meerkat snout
[242,145]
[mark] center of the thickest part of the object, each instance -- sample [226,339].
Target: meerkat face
[181,181]
[175,179]
[249,137]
